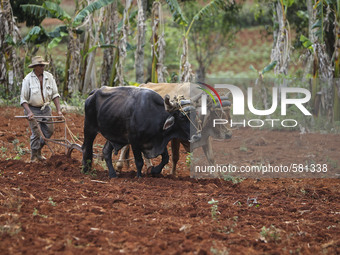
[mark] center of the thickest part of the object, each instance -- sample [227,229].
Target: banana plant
[336,57]
[11,71]
[116,74]
[326,64]
[71,25]
[259,81]
[281,48]
[178,16]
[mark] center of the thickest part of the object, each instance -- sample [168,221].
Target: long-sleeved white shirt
[31,92]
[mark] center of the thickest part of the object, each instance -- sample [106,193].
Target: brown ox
[221,132]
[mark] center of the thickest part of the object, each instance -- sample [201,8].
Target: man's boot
[34,157]
[39,156]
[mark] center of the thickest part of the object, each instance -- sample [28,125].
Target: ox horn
[188,108]
[185,102]
[169,106]
[224,104]
[223,98]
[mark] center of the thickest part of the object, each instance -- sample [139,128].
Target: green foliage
[212,34]
[78,100]
[214,209]
[306,43]
[269,67]
[233,179]
[177,13]
[37,10]
[324,24]
[90,9]
[288,3]
[188,159]
[209,10]
[56,11]
[37,35]
[9,97]
[58,31]
[132,16]
[46,10]
[298,20]
[91,171]
[36,213]
[271,234]
[22,16]
[55,41]
[19,148]
[51,202]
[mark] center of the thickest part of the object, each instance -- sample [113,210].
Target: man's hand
[60,114]
[30,115]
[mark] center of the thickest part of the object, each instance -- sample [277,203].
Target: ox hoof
[113,175]
[174,174]
[155,173]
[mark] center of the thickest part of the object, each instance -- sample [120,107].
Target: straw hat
[38,60]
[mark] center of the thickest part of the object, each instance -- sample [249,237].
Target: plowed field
[53,208]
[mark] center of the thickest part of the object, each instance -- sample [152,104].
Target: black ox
[136,116]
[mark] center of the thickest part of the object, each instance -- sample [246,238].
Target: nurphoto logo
[285,94]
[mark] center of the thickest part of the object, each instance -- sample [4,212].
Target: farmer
[38,90]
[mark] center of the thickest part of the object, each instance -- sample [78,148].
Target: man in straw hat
[38,90]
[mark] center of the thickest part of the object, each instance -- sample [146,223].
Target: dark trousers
[37,142]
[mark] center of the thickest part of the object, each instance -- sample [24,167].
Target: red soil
[51,207]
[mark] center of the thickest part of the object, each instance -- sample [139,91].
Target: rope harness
[220,112]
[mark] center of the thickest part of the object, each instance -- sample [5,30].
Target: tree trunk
[308,63]
[11,68]
[90,75]
[73,61]
[84,60]
[108,56]
[281,50]
[336,57]
[154,41]
[185,68]
[122,44]
[200,72]
[139,56]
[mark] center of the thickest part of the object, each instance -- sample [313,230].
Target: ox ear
[169,122]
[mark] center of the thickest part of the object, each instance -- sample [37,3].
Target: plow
[64,142]
[69,146]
